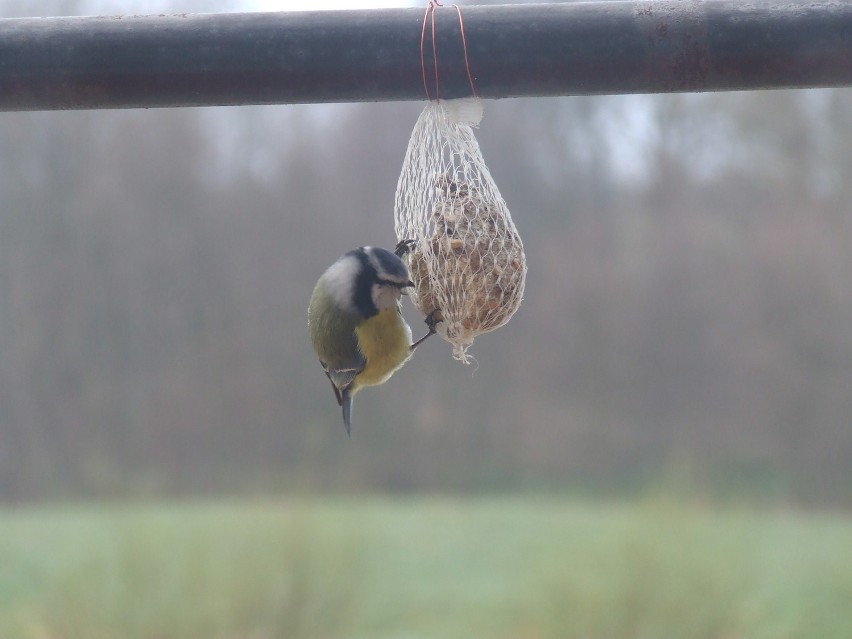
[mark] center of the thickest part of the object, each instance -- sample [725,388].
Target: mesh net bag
[468,263]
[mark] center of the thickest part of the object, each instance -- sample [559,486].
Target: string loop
[429,17]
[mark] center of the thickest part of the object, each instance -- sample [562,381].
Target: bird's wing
[341,358]
[343,364]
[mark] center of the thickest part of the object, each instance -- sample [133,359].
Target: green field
[519,568]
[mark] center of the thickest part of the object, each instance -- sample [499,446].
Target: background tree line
[688,313]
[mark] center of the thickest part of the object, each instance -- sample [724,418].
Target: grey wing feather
[342,377]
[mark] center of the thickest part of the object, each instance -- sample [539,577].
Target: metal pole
[350,56]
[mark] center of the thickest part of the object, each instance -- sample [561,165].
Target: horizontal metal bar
[349,56]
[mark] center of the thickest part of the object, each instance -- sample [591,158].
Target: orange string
[464,47]
[422,57]
[430,13]
[435,3]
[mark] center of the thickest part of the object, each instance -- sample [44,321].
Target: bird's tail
[347,411]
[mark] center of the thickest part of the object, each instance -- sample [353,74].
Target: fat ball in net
[467,262]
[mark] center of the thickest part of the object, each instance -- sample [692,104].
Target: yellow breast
[385,340]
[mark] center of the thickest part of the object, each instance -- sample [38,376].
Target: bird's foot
[404,247]
[432,320]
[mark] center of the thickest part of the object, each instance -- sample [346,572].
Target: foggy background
[687,322]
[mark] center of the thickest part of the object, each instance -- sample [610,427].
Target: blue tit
[355,321]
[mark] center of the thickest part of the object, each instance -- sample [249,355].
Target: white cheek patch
[385,296]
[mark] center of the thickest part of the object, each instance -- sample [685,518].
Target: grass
[508,568]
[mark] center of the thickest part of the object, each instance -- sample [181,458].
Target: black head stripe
[390,265]
[363,295]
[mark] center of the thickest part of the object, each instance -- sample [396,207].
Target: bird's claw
[433,319]
[404,247]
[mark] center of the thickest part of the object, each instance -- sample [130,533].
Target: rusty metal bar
[348,56]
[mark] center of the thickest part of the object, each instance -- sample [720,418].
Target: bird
[355,321]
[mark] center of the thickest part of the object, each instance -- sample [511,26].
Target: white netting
[468,264]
